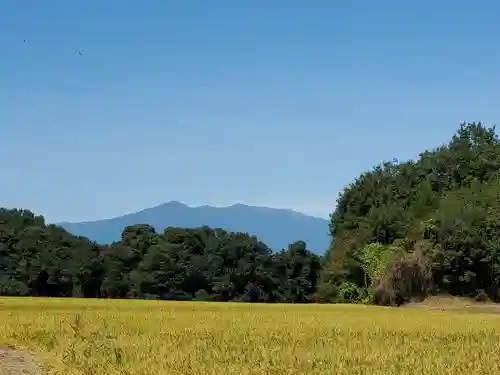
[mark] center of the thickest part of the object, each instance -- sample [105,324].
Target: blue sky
[262,102]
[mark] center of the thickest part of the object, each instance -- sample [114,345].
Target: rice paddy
[77,336]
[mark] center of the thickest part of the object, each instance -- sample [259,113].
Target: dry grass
[456,304]
[73,336]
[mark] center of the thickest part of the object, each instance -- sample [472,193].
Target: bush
[408,277]
[482,296]
[350,292]
[202,295]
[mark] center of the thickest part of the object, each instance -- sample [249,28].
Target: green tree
[447,197]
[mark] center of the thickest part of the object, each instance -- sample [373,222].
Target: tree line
[402,231]
[179,264]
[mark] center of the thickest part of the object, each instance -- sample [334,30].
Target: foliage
[179,264]
[448,199]
[373,259]
[399,232]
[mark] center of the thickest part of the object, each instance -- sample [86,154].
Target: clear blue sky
[275,103]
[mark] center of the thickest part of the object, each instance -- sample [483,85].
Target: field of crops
[72,336]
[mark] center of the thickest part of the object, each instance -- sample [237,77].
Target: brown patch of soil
[456,304]
[13,362]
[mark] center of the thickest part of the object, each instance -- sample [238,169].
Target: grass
[74,336]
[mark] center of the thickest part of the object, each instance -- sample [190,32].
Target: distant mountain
[276,227]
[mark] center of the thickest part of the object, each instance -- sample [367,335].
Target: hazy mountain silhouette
[276,227]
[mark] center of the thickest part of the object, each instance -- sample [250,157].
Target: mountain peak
[173,204]
[239,205]
[276,227]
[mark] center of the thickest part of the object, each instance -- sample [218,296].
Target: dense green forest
[407,229]
[401,231]
[199,263]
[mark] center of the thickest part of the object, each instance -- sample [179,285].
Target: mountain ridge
[277,227]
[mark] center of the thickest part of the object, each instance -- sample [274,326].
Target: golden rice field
[75,336]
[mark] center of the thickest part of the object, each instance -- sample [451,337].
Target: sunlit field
[76,336]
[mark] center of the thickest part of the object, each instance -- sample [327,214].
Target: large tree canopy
[439,213]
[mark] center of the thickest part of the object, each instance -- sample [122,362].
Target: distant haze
[276,227]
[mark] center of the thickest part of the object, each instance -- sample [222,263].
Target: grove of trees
[400,232]
[429,226]
[183,264]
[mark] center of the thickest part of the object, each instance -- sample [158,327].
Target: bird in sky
[81,54]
